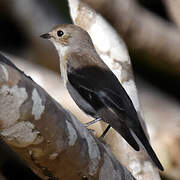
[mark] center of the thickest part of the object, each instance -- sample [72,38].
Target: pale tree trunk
[112,50]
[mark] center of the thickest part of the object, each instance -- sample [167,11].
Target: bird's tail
[143,139]
[113,114]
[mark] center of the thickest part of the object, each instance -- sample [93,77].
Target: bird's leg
[105,132]
[92,122]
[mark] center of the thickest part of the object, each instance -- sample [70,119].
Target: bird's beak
[46,36]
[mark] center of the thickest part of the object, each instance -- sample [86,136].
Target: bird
[94,87]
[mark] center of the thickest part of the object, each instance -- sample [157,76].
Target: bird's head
[68,36]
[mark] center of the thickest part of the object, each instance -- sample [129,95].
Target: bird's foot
[105,132]
[92,122]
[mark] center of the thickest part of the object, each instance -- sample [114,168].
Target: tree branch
[50,139]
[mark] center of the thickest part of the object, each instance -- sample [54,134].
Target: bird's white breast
[62,53]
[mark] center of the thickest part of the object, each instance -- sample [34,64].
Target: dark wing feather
[108,105]
[102,90]
[104,106]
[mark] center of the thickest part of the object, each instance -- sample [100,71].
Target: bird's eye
[60,33]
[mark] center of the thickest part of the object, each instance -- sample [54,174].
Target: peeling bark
[50,139]
[113,52]
[147,36]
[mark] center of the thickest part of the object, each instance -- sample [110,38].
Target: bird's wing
[102,90]
[108,105]
[95,82]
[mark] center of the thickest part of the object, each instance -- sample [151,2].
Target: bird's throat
[62,50]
